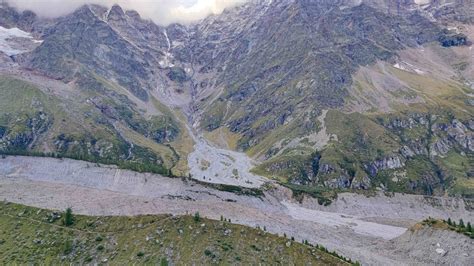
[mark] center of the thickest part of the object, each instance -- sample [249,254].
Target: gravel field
[214,165]
[356,226]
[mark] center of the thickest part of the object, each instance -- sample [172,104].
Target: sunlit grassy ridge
[31,235]
[91,120]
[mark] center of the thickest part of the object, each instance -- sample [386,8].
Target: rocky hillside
[100,124]
[150,239]
[345,94]
[436,242]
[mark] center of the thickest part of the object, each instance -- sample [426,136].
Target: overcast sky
[161,11]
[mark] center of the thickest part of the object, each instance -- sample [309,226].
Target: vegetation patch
[460,227]
[254,192]
[325,196]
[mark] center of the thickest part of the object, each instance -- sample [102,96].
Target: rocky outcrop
[327,169]
[388,163]
[439,137]
[24,132]
[340,182]
[440,147]
[177,74]
[406,152]
[363,183]
[453,39]
[460,133]
[298,171]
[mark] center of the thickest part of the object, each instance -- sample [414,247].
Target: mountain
[331,95]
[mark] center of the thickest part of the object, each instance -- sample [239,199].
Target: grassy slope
[362,138]
[21,98]
[183,145]
[180,147]
[28,237]
[71,114]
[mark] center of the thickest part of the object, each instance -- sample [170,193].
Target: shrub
[163,262]
[67,248]
[209,253]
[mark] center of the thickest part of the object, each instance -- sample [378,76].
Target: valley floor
[358,227]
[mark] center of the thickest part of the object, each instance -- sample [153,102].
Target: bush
[140,254]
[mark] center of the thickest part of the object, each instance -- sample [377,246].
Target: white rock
[440,251]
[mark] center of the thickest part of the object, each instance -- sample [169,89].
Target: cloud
[162,12]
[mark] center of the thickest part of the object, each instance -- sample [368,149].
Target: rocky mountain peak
[116,13]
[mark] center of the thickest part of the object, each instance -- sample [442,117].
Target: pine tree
[469,227]
[461,223]
[197,217]
[450,222]
[68,217]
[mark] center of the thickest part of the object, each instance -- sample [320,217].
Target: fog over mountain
[162,12]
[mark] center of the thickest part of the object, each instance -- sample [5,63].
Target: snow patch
[166,61]
[12,41]
[409,68]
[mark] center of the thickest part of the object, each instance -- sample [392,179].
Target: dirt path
[352,228]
